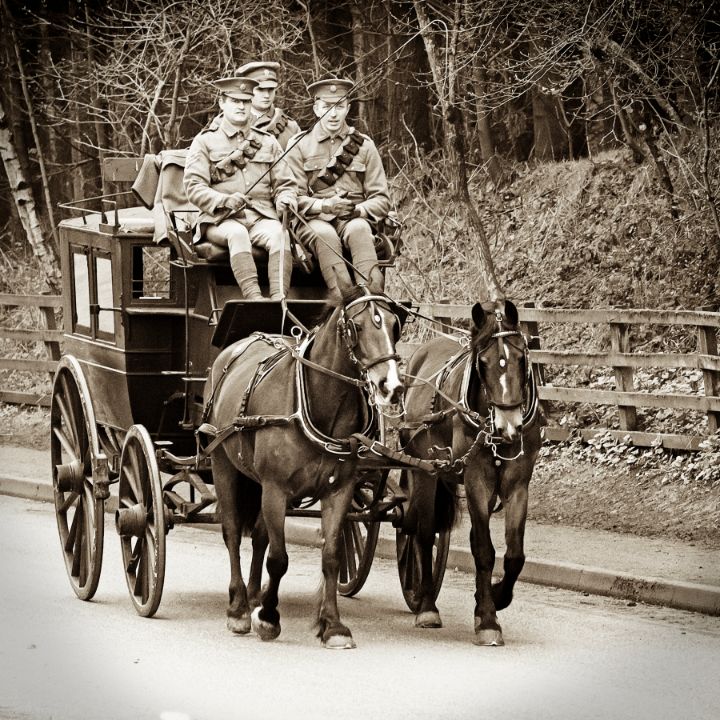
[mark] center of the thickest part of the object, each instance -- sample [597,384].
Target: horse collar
[333,446]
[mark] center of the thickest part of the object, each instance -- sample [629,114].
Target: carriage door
[92,283]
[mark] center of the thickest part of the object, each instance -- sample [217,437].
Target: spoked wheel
[140,521]
[357,544]
[80,476]
[408,558]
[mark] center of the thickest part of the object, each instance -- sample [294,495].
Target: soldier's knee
[238,239]
[277,240]
[358,227]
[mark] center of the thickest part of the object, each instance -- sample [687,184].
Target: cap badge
[267,73]
[333,88]
[243,86]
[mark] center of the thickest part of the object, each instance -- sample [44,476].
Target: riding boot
[276,292]
[245,272]
[331,265]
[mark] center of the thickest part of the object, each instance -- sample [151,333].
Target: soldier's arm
[295,161]
[282,179]
[376,204]
[196,179]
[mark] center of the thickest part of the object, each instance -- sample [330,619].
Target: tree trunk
[454,125]
[551,141]
[21,191]
[97,102]
[33,126]
[358,39]
[485,134]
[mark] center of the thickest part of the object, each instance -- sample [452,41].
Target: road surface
[567,655]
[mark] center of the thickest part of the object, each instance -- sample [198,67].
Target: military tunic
[278,123]
[264,178]
[364,179]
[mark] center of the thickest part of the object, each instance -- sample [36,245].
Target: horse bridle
[347,328]
[499,335]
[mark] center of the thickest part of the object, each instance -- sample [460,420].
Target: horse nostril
[397,394]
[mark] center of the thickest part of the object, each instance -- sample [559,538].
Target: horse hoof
[339,642]
[264,630]
[239,625]
[428,619]
[488,638]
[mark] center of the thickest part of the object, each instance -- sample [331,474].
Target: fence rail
[49,334]
[620,359]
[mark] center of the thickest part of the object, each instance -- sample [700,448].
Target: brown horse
[477,408]
[285,414]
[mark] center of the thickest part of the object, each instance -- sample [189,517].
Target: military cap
[266,73]
[332,89]
[240,88]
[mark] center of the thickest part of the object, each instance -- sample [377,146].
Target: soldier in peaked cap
[235,175]
[341,184]
[267,116]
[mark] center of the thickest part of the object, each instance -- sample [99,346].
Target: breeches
[328,240]
[238,237]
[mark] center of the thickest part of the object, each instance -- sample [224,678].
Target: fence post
[620,342]
[52,347]
[707,345]
[446,321]
[530,328]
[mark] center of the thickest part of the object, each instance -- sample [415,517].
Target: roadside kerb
[568,576]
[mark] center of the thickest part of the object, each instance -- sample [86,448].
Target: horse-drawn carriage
[151,396]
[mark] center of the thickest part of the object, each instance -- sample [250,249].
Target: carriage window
[103,277]
[81,286]
[151,273]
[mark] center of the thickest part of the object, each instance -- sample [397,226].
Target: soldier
[234,174]
[341,185]
[266,116]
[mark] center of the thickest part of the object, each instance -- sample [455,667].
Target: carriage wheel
[79,472]
[141,522]
[358,540]
[409,565]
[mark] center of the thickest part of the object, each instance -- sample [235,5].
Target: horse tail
[446,506]
[249,498]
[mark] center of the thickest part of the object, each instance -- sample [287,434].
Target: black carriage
[145,316]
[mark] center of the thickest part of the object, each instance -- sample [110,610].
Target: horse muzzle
[389,388]
[508,422]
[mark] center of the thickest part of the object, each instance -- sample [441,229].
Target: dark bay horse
[477,407]
[285,416]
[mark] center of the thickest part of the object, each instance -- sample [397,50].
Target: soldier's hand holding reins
[339,206]
[236,201]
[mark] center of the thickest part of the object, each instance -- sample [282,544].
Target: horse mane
[353,292]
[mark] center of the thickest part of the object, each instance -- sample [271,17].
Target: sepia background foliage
[463,97]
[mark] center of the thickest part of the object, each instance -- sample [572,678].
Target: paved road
[567,655]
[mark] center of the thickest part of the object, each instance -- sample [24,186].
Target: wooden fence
[622,361]
[48,334]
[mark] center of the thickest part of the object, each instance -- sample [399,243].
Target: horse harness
[348,451]
[484,426]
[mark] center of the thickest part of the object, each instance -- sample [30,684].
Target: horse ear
[478,315]
[511,313]
[376,281]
